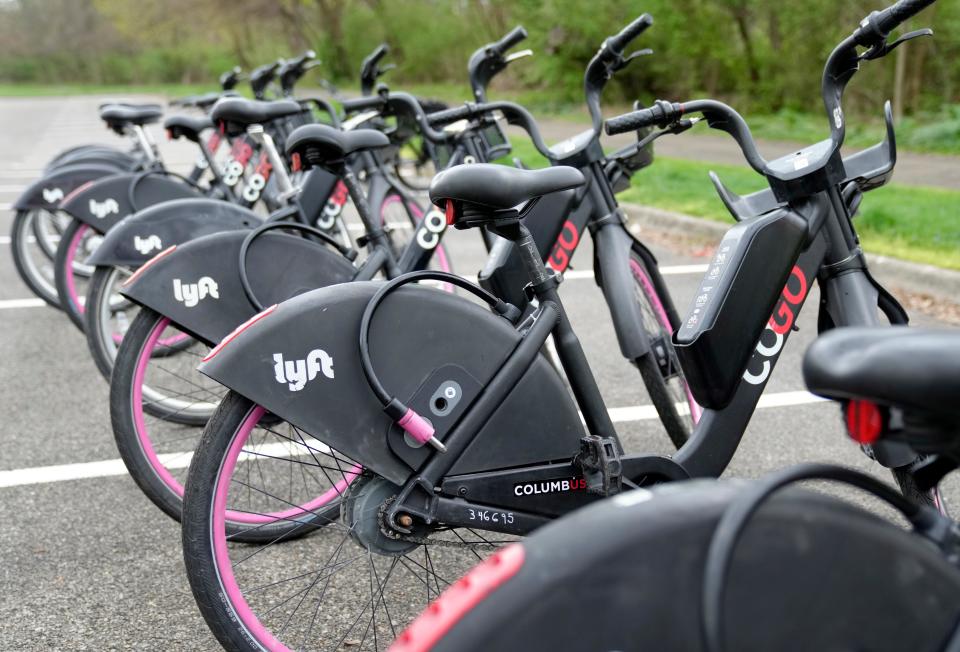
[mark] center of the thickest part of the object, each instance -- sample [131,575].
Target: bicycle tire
[64,272]
[26,267]
[677,425]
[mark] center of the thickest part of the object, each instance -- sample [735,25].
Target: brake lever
[518,55]
[382,70]
[676,128]
[622,62]
[879,50]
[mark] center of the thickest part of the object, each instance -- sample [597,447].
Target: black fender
[137,238]
[421,339]
[117,160]
[79,152]
[108,200]
[613,274]
[49,190]
[197,284]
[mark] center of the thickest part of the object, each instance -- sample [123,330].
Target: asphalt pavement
[89,563]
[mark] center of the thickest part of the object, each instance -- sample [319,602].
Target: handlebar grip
[516,35]
[362,104]
[633,30]
[660,114]
[450,115]
[382,50]
[888,19]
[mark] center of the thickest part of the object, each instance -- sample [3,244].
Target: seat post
[140,134]
[284,184]
[544,283]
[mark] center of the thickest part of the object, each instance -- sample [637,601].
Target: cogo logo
[566,244]
[780,323]
[431,228]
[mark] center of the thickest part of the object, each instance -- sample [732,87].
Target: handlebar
[261,77]
[880,23]
[516,35]
[514,114]
[486,62]
[608,60]
[627,34]
[292,70]
[370,69]
[718,115]
[229,79]
[844,61]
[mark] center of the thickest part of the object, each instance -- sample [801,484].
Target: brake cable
[410,421]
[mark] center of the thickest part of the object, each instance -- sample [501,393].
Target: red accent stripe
[451,212]
[236,331]
[146,265]
[430,626]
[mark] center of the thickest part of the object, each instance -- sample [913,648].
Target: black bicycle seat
[185,126]
[908,368]
[499,187]
[119,115]
[321,144]
[237,113]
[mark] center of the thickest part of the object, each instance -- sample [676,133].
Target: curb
[915,277]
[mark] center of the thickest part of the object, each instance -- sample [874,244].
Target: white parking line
[572,275]
[10,304]
[5,207]
[109,468]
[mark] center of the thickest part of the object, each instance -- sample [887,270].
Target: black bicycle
[757,567]
[444,427]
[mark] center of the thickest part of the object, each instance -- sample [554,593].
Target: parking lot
[89,563]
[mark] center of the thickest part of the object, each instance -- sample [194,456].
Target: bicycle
[38,226]
[433,420]
[756,567]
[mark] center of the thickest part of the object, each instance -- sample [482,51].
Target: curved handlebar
[633,30]
[370,69]
[718,115]
[608,60]
[514,114]
[881,23]
[516,35]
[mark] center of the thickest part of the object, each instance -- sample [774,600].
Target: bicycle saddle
[909,368]
[498,187]
[321,144]
[120,115]
[237,113]
[209,99]
[185,126]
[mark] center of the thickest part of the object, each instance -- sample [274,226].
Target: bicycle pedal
[599,461]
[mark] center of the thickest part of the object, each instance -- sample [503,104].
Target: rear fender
[108,200]
[419,339]
[47,192]
[136,239]
[118,160]
[197,285]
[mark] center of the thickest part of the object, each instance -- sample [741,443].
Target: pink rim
[439,253]
[71,256]
[641,275]
[167,341]
[164,474]
[219,532]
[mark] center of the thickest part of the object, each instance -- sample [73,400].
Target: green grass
[913,223]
